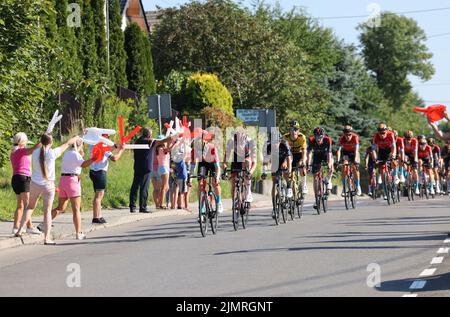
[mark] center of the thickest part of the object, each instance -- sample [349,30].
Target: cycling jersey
[241,152]
[410,146]
[385,143]
[320,149]
[369,155]
[349,146]
[297,146]
[400,144]
[437,151]
[284,150]
[425,153]
[207,152]
[445,153]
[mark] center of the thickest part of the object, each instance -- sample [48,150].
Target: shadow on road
[436,283]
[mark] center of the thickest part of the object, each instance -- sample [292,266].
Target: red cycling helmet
[318,131]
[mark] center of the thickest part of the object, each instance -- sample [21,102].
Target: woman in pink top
[163,158]
[21,165]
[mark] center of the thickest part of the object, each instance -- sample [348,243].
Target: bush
[206,90]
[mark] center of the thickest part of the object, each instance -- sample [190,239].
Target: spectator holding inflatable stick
[43,182]
[70,186]
[21,166]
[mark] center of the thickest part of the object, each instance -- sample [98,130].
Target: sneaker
[33,231]
[438,189]
[358,191]
[396,180]
[417,192]
[432,192]
[342,193]
[402,179]
[379,180]
[315,206]
[99,221]
[219,208]
[249,198]
[14,231]
[81,236]
[384,197]
[289,193]
[145,211]
[40,227]
[370,193]
[132,210]
[329,186]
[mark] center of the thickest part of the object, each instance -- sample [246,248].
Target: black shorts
[206,169]
[296,159]
[98,179]
[350,156]
[318,159]
[426,163]
[447,163]
[410,159]
[383,154]
[20,184]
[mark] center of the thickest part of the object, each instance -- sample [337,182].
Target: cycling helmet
[382,127]
[430,141]
[294,124]
[319,131]
[422,140]
[409,134]
[347,129]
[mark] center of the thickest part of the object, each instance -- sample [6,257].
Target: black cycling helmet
[319,131]
[293,124]
[430,141]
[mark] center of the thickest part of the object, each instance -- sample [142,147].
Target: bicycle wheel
[284,208]
[276,206]
[318,196]
[353,196]
[214,216]
[386,188]
[325,203]
[203,214]
[244,214]
[236,208]
[299,205]
[346,193]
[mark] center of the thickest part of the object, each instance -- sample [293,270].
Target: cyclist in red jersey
[385,149]
[411,148]
[349,150]
[400,155]
[437,162]
[320,150]
[425,155]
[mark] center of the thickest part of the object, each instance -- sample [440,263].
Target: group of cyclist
[294,151]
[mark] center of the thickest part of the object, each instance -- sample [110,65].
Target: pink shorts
[69,187]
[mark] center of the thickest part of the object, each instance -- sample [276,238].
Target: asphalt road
[326,255]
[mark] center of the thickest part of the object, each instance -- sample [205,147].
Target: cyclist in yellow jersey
[298,144]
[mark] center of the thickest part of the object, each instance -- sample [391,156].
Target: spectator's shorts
[69,187]
[20,184]
[98,179]
[182,186]
[163,170]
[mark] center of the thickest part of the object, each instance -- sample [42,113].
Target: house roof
[123,4]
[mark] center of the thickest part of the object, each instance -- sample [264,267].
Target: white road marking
[443,250]
[419,284]
[437,260]
[427,272]
[410,295]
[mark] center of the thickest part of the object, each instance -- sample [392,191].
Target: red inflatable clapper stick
[434,112]
[98,151]
[125,139]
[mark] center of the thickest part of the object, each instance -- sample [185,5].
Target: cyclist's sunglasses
[422,143]
[293,129]
[382,130]
[318,137]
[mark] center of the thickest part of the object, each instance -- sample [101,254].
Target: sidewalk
[63,225]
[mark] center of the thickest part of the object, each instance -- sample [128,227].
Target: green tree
[393,51]
[139,67]
[206,90]
[100,38]
[117,53]
[260,68]
[24,81]
[69,65]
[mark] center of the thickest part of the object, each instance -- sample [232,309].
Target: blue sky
[433,22]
